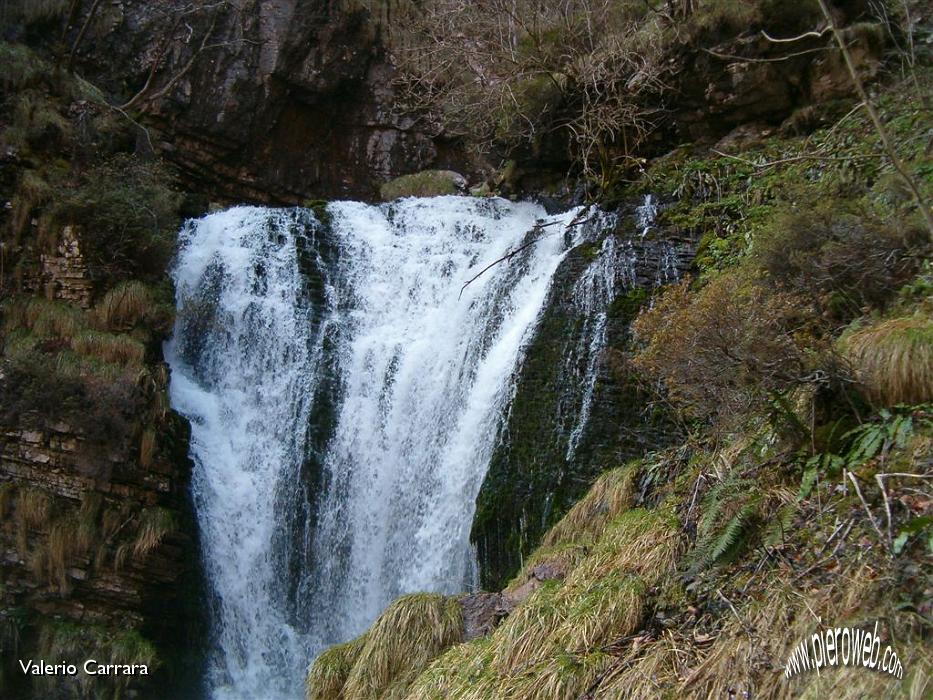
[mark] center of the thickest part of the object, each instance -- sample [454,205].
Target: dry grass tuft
[7,491]
[33,510]
[848,683]
[412,631]
[87,532]
[610,494]
[51,319]
[893,360]
[59,551]
[753,645]
[124,306]
[147,448]
[329,672]
[116,349]
[647,673]
[154,525]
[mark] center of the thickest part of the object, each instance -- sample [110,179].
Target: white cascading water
[612,271]
[243,361]
[424,375]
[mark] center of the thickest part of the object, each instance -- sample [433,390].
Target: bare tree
[507,72]
[180,31]
[883,135]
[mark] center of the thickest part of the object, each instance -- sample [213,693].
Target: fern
[720,495]
[729,500]
[776,531]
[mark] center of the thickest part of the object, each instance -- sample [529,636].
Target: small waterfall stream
[281,320]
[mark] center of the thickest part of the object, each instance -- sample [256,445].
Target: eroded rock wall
[282,101]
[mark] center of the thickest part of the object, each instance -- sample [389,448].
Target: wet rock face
[72,547]
[540,468]
[284,101]
[98,541]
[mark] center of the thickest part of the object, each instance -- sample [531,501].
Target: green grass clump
[610,494]
[413,631]
[463,672]
[329,672]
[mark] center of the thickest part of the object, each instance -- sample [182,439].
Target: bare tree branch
[876,120]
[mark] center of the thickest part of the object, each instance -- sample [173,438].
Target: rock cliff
[98,547]
[261,101]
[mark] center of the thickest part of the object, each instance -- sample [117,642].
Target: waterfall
[612,271]
[243,357]
[646,214]
[348,355]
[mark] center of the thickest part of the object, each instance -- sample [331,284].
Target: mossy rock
[427,183]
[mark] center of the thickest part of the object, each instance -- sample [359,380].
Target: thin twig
[887,507]
[577,221]
[805,35]
[806,156]
[833,535]
[779,59]
[81,33]
[871,516]
[843,537]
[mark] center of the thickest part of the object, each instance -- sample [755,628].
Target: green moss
[626,306]
[319,207]
[530,485]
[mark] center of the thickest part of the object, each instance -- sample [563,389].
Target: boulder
[427,183]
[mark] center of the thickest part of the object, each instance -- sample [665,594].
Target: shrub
[127,218]
[844,261]
[720,349]
[578,74]
[893,360]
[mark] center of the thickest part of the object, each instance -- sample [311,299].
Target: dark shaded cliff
[259,101]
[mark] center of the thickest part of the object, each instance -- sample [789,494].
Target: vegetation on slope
[85,240]
[796,363]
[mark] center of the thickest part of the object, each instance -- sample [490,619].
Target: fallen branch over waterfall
[578,220]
